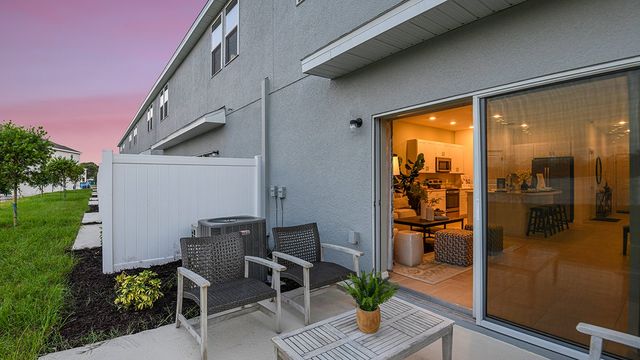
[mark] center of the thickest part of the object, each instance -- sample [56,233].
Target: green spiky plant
[369,290]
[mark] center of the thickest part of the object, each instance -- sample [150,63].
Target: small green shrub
[137,291]
[369,290]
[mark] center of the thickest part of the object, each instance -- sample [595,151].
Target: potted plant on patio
[369,290]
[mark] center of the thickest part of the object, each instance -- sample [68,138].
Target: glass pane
[231,46]
[231,21]
[216,59]
[216,34]
[559,202]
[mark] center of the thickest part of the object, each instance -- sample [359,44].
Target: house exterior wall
[26,190]
[325,167]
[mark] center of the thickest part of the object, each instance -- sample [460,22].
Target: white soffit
[406,25]
[202,125]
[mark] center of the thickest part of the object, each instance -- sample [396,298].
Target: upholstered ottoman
[454,246]
[495,240]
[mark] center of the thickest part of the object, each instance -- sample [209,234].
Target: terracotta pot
[368,321]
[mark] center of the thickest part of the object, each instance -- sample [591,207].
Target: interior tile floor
[551,284]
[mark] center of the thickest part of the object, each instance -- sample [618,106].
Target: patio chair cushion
[321,274]
[231,294]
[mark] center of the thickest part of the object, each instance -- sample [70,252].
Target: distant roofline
[57,146]
[199,26]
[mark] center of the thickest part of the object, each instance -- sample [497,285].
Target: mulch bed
[91,315]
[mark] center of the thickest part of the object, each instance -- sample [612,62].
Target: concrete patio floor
[249,337]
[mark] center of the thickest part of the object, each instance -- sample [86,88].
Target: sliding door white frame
[480,183]
[480,186]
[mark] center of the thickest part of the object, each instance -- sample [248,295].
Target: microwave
[443,164]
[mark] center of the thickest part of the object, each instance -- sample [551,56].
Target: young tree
[40,178]
[92,169]
[64,170]
[21,151]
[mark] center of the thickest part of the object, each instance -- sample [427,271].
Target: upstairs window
[216,46]
[150,118]
[135,136]
[130,138]
[164,102]
[224,37]
[231,31]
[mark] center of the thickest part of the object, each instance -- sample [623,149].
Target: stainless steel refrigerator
[558,174]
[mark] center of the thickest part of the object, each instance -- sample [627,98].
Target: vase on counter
[524,186]
[426,211]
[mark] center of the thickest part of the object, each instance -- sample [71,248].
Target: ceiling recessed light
[622,122]
[471,127]
[432,118]
[497,116]
[452,123]
[524,125]
[627,131]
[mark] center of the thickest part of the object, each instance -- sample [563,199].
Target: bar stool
[555,218]
[539,221]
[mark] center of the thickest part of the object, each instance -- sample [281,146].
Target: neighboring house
[59,151]
[285,79]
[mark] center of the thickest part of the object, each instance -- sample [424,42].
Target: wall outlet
[354,237]
[273,191]
[282,192]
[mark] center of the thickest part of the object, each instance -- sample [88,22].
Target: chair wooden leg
[179,299]
[276,282]
[307,296]
[203,323]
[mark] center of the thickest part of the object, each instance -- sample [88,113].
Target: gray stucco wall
[327,168]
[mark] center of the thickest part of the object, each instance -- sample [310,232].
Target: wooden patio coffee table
[404,330]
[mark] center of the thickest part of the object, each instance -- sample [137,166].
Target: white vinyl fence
[148,202]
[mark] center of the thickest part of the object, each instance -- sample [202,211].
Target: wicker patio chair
[216,273]
[299,248]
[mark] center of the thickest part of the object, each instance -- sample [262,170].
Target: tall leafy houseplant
[407,182]
[369,290]
[22,151]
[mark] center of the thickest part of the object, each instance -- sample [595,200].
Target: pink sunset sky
[81,68]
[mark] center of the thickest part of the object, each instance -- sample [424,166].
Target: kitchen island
[511,209]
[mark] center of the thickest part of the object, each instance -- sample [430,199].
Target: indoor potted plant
[407,183]
[369,290]
[427,212]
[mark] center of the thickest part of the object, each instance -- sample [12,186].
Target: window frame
[227,33]
[150,118]
[222,18]
[164,102]
[135,136]
[219,18]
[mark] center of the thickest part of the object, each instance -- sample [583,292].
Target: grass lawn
[34,264]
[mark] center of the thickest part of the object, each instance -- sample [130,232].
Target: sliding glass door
[562,217]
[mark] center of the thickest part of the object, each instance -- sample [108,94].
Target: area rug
[429,270]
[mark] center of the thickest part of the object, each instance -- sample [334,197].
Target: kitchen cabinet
[455,153]
[463,202]
[553,149]
[433,149]
[427,149]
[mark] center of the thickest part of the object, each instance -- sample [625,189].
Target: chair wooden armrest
[354,253]
[598,334]
[342,249]
[197,279]
[273,265]
[278,255]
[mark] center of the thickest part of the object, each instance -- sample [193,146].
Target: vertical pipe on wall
[264,114]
